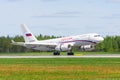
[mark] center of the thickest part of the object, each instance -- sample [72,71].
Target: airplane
[58,44]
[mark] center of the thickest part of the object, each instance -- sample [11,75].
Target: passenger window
[96,35]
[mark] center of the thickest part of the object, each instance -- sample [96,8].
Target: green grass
[60,69]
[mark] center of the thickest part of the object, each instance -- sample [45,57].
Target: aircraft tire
[56,53]
[70,53]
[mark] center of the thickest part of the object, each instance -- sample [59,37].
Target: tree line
[110,44]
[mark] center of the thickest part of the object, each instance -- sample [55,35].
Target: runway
[76,56]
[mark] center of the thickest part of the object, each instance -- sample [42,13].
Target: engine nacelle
[63,47]
[87,48]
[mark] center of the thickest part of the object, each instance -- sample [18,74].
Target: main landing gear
[56,53]
[69,52]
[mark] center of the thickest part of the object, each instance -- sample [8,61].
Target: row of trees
[110,44]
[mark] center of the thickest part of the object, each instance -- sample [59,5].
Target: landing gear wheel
[70,53]
[56,53]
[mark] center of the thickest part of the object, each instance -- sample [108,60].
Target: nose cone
[100,39]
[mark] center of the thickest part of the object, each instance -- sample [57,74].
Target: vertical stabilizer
[28,36]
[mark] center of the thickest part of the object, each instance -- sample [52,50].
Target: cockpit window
[96,35]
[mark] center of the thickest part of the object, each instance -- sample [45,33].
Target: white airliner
[59,44]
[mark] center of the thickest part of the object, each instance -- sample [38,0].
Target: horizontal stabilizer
[17,43]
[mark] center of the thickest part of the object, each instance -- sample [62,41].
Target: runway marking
[81,56]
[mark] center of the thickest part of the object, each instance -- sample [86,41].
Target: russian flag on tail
[28,34]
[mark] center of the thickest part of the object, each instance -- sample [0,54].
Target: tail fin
[28,36]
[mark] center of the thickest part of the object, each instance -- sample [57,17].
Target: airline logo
[67,39]
[28,34]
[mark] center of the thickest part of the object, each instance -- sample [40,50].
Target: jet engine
[63,47]
[87,48]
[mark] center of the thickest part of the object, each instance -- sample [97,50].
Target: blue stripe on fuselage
[79,41]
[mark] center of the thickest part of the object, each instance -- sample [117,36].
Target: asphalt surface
[76,56]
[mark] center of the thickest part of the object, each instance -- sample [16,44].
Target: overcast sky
[60,17]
